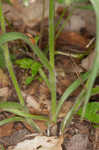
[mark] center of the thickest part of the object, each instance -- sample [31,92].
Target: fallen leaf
[3,79]
[41,143]
[6,130]
[31,102]
[88,61]
[4,92]
[78,142]
[96,145]
[73,40]
[39,104]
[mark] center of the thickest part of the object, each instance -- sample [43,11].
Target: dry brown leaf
[31,102]
[71,38]
[4,92]
[33,88]
[96,145]
[41,143]
[78,142]
[3,79]
[28,16]
[76,39]
[37,105]
[6,130]
[88,61]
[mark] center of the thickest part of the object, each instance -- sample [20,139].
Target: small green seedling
[92,112]
[29,64]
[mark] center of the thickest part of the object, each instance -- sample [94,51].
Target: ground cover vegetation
[81,106]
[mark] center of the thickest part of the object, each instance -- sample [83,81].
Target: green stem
[53,95]
[12,74]
[51,32]
[7,58]
[52,55]
[2,21]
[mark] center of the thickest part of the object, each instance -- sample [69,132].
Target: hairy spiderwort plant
[21,111]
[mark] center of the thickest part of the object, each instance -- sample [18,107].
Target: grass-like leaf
[12,119]
[11,105]
[6,37]
[26,115]
[69,90]
[69,115]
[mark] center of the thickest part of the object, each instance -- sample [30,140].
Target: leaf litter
[79,134]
